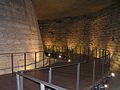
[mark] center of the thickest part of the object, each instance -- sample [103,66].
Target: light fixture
[105,85]
[49,54]
[113,74]
[69,60]
[60,56]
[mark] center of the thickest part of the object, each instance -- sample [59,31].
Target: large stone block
[19,31]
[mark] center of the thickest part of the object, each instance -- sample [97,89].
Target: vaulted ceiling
[51,9]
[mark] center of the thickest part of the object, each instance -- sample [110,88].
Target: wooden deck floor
[64,77]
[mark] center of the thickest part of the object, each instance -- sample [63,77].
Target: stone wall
[100,29]
[19,31]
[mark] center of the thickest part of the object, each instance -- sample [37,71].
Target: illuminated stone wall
[19,31]
[105,29]
[100,29]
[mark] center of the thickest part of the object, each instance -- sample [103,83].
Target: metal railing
[95,57]
[61,66]
[75,53]
[42,84]
[22,61]
[100,57]
[94,82]
[78,71]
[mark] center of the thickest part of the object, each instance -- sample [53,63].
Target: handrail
[105,56]
[42,59]
[20,77]
[93,52]
[62,65]
[78,70]
[19,52]
[23,65]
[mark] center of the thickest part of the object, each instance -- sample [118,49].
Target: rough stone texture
[100,29]
[19,31]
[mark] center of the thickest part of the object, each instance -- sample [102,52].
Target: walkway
[64,77]
[114,83]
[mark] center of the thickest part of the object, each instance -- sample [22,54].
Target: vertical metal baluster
[80,53]
[84,51]
[24,61]
[19,82]
[42,86]
[105,62]
[88,53]
[50,75]
[78,77]
[109,62]
[100,57]
[35,60]
[91,58]
[43,59]
[49,61]
[100,53]
[12,63]
[103,55]
[93,74]
[96,53]
[54,56]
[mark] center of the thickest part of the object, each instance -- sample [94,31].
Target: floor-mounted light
[112,74]
[49,54]
[69,60]
[60,56]
[105,85]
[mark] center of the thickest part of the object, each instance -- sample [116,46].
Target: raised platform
[65,77]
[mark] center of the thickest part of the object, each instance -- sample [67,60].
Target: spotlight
[49,54]
[60,56]
[112,74]
[105,85]
[69,60]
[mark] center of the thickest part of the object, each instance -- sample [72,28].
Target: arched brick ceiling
[51,9]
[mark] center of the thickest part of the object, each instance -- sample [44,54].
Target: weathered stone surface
[101,30]
[19,31]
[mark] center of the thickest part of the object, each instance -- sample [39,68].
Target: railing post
[84,50]
[93,81]
[42,86]
[12,62]
[50,75]
[35,60]
[19,82]
[100,53]
[43,59]
[88,53]
[109,61]
[78,77]
[80,53]
[24,61]
[49,61]
[103,63]
[96,54]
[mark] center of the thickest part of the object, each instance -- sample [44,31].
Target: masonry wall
[100,29]
[19,32]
